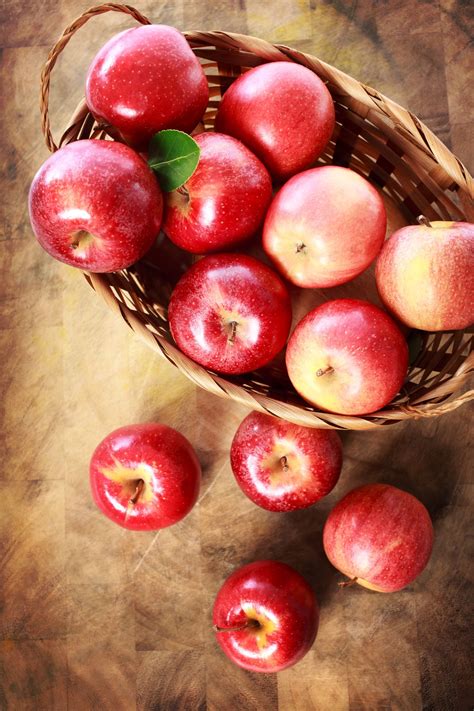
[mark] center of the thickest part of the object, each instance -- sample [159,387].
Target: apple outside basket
[375,137]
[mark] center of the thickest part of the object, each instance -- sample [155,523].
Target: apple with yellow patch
[324,227]
[265,616]
[281,466]
[379,536]
[425,275]
[145,477]
[347,356]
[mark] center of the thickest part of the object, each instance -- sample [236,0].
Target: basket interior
[365,141]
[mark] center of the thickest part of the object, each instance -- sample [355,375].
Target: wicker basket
[375,137]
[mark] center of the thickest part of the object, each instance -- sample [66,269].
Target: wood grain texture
[94,617]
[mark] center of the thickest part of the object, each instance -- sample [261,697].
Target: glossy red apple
[230,313]
[347,356]
[144,80]
[224,201]
[324,227]
[281,466]
[283,112]
[379,536]
[265,616]
[145,477]
[95,205]
[425,275]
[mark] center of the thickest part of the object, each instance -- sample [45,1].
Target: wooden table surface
[94,617]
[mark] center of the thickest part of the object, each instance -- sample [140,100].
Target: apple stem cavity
[422,220]
[347,583]
[284,463]
[324,371]
[232,331]
[137,492]
[81,238]
[247,625]
[183,191]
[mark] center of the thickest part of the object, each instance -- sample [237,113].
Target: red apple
[230,313]
[347,356]
[144,80]
[282,112]
[224,201]
[324,227]
[425,275]
[379,536]
[95,205]
[145,477]
[281,466]
[265,616]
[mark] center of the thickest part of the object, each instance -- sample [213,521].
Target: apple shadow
[295,538]
[417,457]
[217,422]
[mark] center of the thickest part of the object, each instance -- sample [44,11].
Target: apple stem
[422,220]
[233,330]
[247,625]
[183,191]
[284,463]
[300,247]
[77,236]
[80,237]
[347,583]
[322,371]
[137,492]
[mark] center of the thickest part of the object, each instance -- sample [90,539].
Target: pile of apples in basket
[100,205]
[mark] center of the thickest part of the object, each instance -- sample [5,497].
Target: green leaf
[174,156]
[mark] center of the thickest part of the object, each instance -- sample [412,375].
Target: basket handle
[56,50]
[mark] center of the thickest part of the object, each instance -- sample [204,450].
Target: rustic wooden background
[93,617]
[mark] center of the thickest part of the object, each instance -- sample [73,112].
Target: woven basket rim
[425,138]
[443,398]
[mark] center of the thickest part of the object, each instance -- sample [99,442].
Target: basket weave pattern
[375,137]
